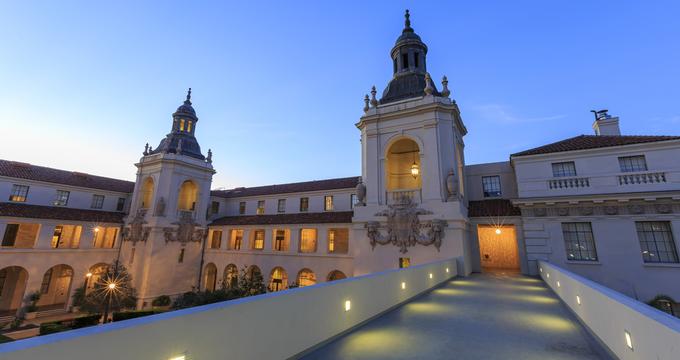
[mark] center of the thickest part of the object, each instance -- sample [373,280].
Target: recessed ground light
[447,270]
[578,299]
[348,305]
[430,275]
[403,285]
[558,283]
[629,340]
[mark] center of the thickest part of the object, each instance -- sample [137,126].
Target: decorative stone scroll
[136,231]
[404,227]
[185,231]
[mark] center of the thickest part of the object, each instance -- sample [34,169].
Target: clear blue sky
[278,86]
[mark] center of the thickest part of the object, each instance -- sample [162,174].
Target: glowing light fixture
[629,340]
[558,283]
[430,275]
[578,299]
[547,275]
[540,269]
[112,286]
[447,270]
[181,357]
[403,285]
[88,274]
[96,229]
[415,170]
[348,305]
[498,231]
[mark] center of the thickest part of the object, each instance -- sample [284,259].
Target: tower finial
[407,20]
[188,100]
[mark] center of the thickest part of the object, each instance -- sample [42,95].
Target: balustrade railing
[642,178]
[569,183]
[400,196]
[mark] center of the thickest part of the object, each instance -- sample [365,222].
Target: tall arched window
[278,279]
[210,277]
[56,286]
[336,275]
[403,169]
[188,194]
[147,193]
[12,287]
[231,276]
[306,277]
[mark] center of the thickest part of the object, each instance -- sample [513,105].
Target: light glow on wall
[540,269]
[578,299]
[629,340]
[558,283]
[547,275]
[447,270]
[403,285]
[348,305]
[430,275]
[181,357]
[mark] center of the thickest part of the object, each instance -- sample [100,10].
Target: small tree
[121,295]
[251,283]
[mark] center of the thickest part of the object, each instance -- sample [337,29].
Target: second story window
[97,201]
[61,198]
[307,240]
[579,241]
[304,204]
[258,240]
[656,242]
[260,207]
[633,163]
[491,186]
[19,193]
[353,200]
[215,207]
[121,204]
[564,169]
[328,203]
[281,206]
[216,239]
[236,239]
[242,208]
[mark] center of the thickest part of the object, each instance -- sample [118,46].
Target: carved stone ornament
[664,208]
[136,231]
[451,185]
[563,211]
[611,210]
[185,231]
[361,193]
[585,210]
[540,212]
[404,227]
[636,209]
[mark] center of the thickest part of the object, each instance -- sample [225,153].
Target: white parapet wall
[629,328]
[271,326]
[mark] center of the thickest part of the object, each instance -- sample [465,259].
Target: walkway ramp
[484,316]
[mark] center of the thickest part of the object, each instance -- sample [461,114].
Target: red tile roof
[492,208]
[584,142]
[39,173]
[59,213]
[316,185]
[295,218]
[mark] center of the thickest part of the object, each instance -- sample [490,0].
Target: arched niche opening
[147,193]
[12,287]
[188,193]
[402,167]
[278,279]
[210,277]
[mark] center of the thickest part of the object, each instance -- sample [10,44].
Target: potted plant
[31,310]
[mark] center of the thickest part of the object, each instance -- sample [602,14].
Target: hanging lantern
[415,170]
[498,231]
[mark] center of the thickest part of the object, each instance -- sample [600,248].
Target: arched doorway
[403,171]
[306,277]
[94,276]
[55,287]
[210,277]
[230,276]
[278,279]
[188,193]
[336,275]
[12,287]
[253,272]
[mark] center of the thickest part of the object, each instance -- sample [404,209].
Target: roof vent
[605,124]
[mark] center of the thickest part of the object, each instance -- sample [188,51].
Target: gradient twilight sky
[278,86]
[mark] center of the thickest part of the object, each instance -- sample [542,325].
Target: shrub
[85,321]
[52,327]
[163,300]
[126,315]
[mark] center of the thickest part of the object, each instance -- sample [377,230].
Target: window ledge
[662,265]
[579,262]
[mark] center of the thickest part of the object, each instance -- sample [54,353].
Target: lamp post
[110,288]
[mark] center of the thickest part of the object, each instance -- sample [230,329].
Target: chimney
[605,124]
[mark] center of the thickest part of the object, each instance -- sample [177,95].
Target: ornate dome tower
[181,138]
[409,66]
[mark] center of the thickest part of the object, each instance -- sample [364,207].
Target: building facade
[606,206]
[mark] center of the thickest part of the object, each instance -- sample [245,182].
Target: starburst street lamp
[110,289]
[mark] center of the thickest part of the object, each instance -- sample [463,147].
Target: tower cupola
[181,139]
[409,66]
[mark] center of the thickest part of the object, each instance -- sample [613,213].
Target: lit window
[236,239]
[216,240]
[97,201]
[258,240]
[563,169]
[579,241]
[242,207]
[281,207]
[19,193]
[181,125]
[46,280]
[260,207]
[338,240]
[20,236]
[404,262]
[304,204]
[656,242]
[189,126]
[633,163]
[353,200]
[105,237]
[66,236]
[279,279]
[281,240]
[307,240]
[328,203]
[306,277]
[491,186]
[61,198]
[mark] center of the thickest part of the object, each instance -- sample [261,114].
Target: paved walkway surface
[484,316]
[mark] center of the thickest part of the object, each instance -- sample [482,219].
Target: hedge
[126,315]
[69,324]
